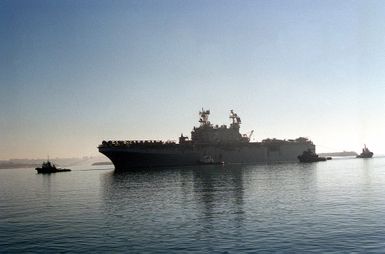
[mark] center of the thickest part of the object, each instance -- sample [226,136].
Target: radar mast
[204,117]
[236,120]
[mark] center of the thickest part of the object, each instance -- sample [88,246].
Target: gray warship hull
[209,144]
[125,158]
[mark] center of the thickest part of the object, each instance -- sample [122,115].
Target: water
[333,206]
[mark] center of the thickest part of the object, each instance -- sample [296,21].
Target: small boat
[47,167]
[366,153]
[208,160]
[310,156]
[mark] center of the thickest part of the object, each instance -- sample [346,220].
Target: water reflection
[205,187]
[199,202]
[184,203]
[322,207]
[219,185]
[210,188]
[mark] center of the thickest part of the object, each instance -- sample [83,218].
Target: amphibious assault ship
[209,143]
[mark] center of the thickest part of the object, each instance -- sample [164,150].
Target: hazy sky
[74,73]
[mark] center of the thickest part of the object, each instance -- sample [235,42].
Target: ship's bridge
[206,133]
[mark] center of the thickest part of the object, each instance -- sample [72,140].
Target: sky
[74,73]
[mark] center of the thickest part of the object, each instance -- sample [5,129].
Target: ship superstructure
[207,134]
[222,144]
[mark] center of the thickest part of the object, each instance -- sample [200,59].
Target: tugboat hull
[366,153]
[309,160]
[365,156]
[49,171]
[310,156]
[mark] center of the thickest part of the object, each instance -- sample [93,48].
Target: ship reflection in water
[292,207]
[210,208]
[336,206]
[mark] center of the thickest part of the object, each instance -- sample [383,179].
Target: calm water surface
[333,206]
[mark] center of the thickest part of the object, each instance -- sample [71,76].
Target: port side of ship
[131,158]
[221,143]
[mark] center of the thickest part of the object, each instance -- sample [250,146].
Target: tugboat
[208,160]
[310,156]
[48,167]
[366,153]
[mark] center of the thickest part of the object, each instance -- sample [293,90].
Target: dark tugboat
[48,167]
[310,156]
[208,160]
[366,153]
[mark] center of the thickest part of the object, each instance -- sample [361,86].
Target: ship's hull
[125,158]
[136,158]
[365,156]
[305,159]
[51,170]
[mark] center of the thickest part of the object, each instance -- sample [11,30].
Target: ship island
[209,144]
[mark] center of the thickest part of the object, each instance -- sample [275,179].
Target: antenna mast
[204,117]
[235,118]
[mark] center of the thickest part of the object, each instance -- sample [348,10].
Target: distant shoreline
[10,165]
[33,163]
[342,154]
[102,163]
